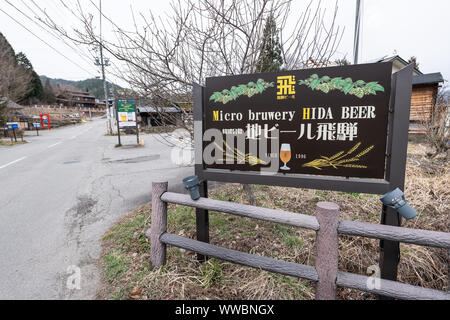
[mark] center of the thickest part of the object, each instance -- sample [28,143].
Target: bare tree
[14,79]
[163,57]
[413,61]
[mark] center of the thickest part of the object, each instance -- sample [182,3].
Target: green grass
[211,272]
[220,221]
[123,233]
[116,264]
[291,284]
[289,238]
[320,196]
[183,217]
[292,241]
[120,294]
[282,229]
[358,196]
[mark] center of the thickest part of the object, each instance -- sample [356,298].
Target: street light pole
[357,31]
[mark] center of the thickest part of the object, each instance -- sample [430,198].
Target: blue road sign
[36,125]
[12,125]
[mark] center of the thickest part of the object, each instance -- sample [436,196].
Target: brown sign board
[330,121]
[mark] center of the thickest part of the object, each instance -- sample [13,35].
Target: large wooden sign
[331,121]
[337,128]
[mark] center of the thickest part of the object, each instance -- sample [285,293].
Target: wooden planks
[422,102]
[407,235]
[363,229]
[389,288]
[159,225]
[271,215]
[242,258]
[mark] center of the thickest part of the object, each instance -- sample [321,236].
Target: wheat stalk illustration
[341,159]
[239,156]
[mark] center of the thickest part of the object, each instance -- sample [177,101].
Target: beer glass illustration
[285,155]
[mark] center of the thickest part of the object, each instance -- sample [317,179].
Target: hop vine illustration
[235,92]
[341,159]
[239,156]
[358,88]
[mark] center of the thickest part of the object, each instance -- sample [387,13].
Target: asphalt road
[59,194]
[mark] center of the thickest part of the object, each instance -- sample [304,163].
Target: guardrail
[326,224]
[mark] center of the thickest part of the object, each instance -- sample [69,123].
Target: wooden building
[71,97]
[424,92]
[425,89]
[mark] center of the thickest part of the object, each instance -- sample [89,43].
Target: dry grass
[126,261]
[9,143]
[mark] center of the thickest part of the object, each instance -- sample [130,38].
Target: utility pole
[357,31]
[104,63]
[114,105]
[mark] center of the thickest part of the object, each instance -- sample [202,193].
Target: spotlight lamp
[396,199]
[192,184]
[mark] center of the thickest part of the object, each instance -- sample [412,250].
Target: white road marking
[54,145]
[15,161]
[79,134]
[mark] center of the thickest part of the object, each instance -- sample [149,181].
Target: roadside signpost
[37,126]
[337,128]
[13,126]
[127,116]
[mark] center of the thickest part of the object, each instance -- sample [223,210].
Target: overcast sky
[408,27]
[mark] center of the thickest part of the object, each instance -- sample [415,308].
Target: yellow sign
[286,87]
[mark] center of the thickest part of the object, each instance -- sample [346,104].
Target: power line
[56,50]
[56,9]
[55,33]
[73,13]
[52,34]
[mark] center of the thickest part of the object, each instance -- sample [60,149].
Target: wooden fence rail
[326,224]
[352,228]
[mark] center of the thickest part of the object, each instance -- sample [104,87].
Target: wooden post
[327,214]
[159,225]
[202,220]
[396,166]
[202,215]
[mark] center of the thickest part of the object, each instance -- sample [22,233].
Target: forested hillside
[18,80]
[93,86]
